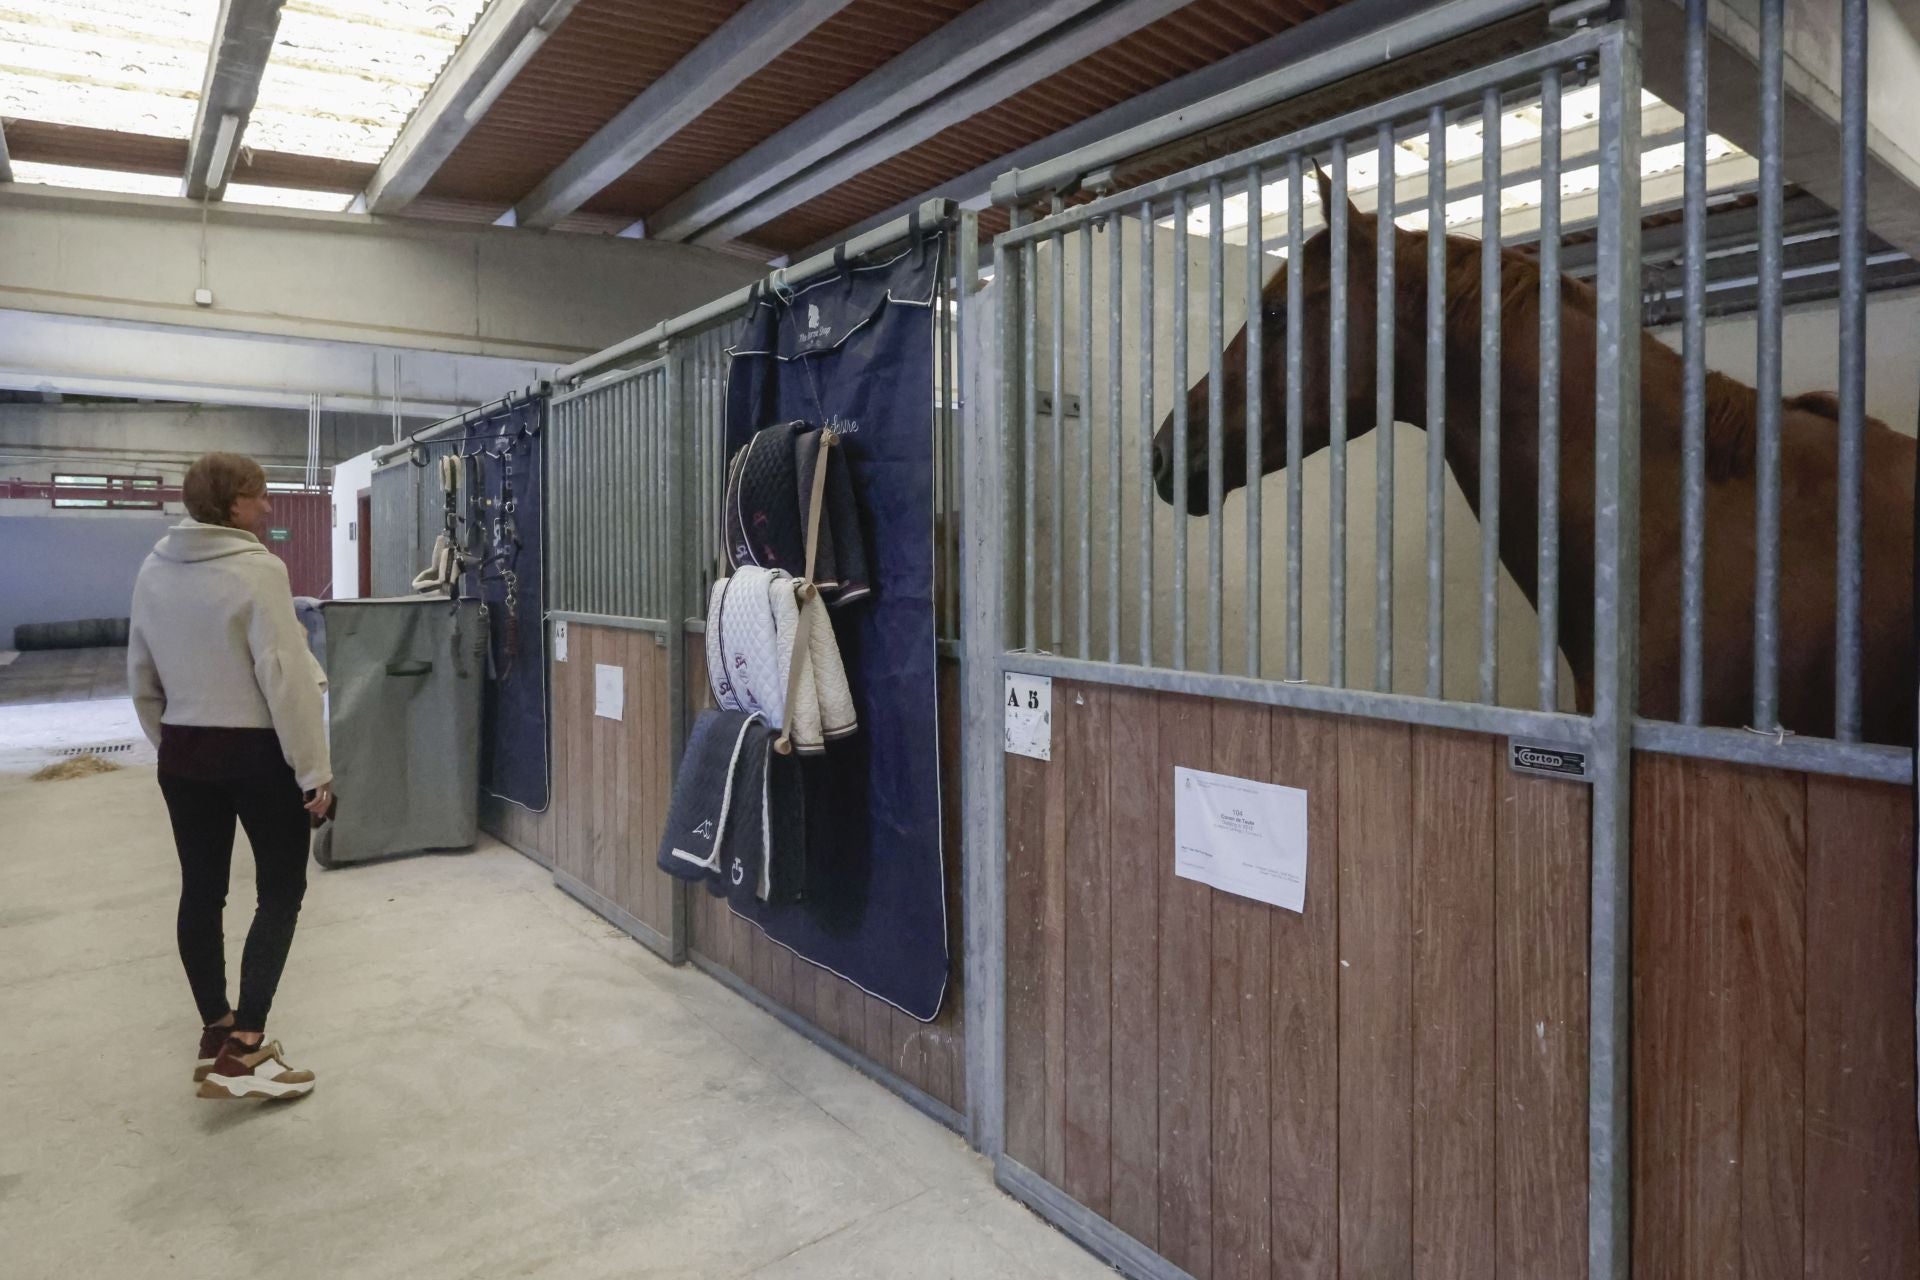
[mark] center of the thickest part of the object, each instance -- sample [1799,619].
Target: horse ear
[1361,223]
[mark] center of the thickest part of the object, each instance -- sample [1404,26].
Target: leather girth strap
[804,590]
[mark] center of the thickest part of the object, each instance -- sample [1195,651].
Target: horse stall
[636,465]
[1347,462]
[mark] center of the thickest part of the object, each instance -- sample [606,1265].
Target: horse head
[1314,259]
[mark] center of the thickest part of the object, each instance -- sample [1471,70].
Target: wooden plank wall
[1773,1005]
[610,777]
[1390,1084]
[929,1056]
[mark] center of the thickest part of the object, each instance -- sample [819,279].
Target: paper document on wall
[609,691]
[1241,836]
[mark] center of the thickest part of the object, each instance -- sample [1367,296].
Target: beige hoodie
[214,641]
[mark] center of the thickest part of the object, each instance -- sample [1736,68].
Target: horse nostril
[1160,465]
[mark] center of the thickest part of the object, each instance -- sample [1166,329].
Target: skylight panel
[344,75]
[76,176]
[287,197]
[133,66]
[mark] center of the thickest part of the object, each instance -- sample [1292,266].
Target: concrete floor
[507,1087]
[56,702]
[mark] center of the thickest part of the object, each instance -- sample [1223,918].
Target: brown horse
[1808,478]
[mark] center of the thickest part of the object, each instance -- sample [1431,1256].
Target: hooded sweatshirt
[214,641]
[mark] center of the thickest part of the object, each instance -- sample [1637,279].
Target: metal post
[1255,420]
[1490,395]
[983,637]
[1296,415]
[1853,364]
[1385,331]
[1146,434]
[1337,424]
[676,569]
[1057,455]
[1182,300]
[1436,407]
[1547,585]
[1029,482]
[1616,615]
[1693,422]
[1216,427]
[1766,576]
[1085,574]
[1114,434]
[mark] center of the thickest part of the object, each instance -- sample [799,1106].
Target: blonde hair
[215,480]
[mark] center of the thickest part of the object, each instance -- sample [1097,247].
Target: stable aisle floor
[507,1087]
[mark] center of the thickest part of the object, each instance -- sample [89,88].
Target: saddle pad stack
[769,491]
[738,816]
[755,618]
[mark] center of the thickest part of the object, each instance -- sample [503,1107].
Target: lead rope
[804,591]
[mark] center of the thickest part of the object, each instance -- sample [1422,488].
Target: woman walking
[227,689]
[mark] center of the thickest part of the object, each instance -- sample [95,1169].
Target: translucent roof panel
[345,74]
[287,197]
[67,175]
[134,66]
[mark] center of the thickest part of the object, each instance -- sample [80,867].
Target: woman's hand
[321,800]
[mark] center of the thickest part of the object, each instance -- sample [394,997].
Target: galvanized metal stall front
[1428,1070]
[637,472]
[616,478]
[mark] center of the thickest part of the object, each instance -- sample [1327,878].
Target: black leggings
[203,810]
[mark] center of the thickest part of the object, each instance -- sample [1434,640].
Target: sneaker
[258,1072]
[211,1038]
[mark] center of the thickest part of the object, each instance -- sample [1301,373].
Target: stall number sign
[560,642]
[1029,705]
[279,535]
[1241,836]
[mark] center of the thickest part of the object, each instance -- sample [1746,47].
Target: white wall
[349,478]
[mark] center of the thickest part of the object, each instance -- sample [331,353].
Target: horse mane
[1731,404]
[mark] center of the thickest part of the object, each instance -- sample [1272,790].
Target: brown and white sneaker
[254,1071]
[211,1038]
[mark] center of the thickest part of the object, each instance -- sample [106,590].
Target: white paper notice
[560,641]
[1240,836]
[609,691]
[1029,704]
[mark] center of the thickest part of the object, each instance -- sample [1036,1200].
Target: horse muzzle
[1164,476]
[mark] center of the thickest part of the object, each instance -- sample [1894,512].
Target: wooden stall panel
[1773,947]
[929,1056]
[1390,1083]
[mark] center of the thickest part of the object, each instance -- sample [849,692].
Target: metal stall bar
[1436,407]
[1296,418]
[1616,615]
[1337,422]
[677,570]
[1693,422]
[1115,324]
[1146,433]
[1853,365]
[1253,421]
[1029,483]
[1384,339]
[1182,300]
[1490,394]
[1216,411]
[1057,455]
[1767,325]
[1085,574]
[1547,590]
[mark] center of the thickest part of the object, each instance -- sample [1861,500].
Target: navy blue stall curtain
[505,531]
[854,352]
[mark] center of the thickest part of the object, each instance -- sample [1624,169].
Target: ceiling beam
[242,43]
[1307,47]
[1052,53]
[744,44]
[970,43]
[501,44]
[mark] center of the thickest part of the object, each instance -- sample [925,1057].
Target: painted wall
[349,478]
[62,568]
